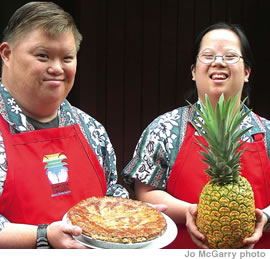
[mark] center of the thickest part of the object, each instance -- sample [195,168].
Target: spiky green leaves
[220,128]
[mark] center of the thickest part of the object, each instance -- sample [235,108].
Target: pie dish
[160,242]
[117,220]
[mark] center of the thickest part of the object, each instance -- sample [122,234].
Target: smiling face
[39,71]
[218,77]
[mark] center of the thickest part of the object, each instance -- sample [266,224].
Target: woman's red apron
[49,171]
[188,178]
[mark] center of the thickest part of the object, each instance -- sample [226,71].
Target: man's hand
[60,235]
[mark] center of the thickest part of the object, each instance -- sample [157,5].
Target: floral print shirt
[93,131]
[161,141]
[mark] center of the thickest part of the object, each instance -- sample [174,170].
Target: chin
[217,91]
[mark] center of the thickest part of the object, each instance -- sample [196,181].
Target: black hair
[245,50]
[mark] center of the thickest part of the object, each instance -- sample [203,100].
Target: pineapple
[226,209]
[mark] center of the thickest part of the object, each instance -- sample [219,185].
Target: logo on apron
[57,173]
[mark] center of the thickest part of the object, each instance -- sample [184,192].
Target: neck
[42,117]
[214,100]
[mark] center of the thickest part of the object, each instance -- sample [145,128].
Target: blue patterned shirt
[161,141]
[93,131]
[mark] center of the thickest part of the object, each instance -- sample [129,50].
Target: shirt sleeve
[149,163]
[3,221]
[155,152]
[266,124]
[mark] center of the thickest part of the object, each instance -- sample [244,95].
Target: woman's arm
[176,210]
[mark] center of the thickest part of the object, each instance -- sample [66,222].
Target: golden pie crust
[118,220]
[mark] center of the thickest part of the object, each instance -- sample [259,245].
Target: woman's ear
[247,74]
[5,52]
[193,69]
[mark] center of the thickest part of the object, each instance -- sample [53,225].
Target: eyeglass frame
[221,56]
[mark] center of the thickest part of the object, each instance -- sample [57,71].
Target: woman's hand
[60,235]
[159,207]
[261,219]
[197,237]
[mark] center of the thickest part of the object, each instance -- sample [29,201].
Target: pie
[117,220]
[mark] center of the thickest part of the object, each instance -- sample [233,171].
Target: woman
[163,145]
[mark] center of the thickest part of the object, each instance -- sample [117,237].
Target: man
[52,154]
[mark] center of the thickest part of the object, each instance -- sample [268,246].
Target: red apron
[49,171]
[188,178]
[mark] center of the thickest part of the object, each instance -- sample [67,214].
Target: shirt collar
[250,120]
[13,114]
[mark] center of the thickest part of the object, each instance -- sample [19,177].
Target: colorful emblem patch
[57,173]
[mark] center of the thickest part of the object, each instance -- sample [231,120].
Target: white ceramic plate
[168,236]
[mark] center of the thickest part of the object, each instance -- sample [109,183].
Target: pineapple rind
[223,215]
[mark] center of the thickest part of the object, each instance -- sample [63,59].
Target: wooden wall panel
[151,60]
[101,38]
[135,58]
[115,73]
[219,10]
[184,42]
[168,56]
[202,15]
[132,124]
[87,60]
[259,35]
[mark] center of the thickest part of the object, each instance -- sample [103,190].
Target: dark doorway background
[134,62]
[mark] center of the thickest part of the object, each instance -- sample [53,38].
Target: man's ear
[193,72]
[5,52]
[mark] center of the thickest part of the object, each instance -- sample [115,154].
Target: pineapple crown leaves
[220,128]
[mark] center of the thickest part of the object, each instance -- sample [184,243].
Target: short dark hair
[47,16]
